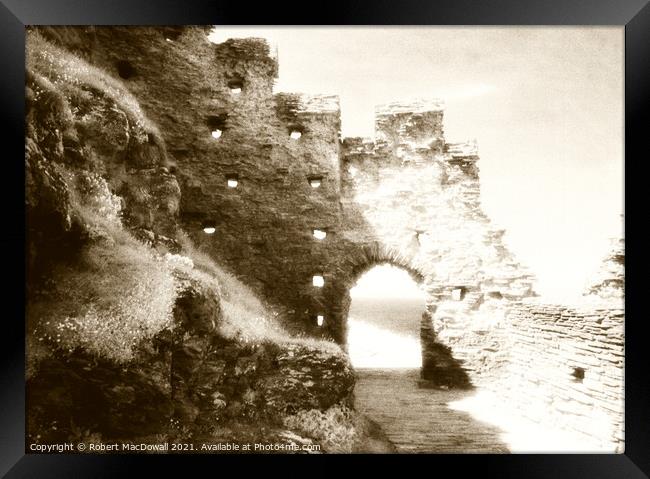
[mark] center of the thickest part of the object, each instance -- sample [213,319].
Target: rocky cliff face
[129,338]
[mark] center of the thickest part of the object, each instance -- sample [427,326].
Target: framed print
[395,233]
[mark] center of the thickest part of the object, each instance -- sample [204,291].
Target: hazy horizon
[384,319]
[545,105]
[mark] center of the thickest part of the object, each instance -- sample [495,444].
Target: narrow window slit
[315,181]
[319,234]
[458,294]
[217,125]
[295,132]
[578,375]
[232,180]
[209,228]
[236,86]
[318,281]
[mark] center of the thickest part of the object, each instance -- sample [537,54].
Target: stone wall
[565,368]
[419,197]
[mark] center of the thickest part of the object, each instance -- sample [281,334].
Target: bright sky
[545,105]
[386,281]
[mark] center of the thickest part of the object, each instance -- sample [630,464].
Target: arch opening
[383,326]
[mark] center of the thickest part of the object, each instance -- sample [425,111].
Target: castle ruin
[270,188]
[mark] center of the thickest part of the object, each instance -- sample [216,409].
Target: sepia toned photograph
[324,239]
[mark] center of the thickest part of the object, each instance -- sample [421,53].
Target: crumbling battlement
[422,199]
[414,124]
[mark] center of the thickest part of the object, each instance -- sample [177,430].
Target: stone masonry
[569,361]
[299,213]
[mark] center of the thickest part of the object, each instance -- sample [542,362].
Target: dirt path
[418,420]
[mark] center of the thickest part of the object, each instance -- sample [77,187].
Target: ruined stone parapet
[305,103]
[425,204]
[410,125]
[240,53]
[467,150]
[417,106]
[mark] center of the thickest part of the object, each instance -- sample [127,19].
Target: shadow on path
[419,420]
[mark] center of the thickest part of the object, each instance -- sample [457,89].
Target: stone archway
[360,259]
[439,367]
[383,321]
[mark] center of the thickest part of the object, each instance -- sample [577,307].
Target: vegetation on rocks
[334,428]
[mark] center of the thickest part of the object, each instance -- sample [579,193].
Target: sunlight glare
[381,333]
[523,435]
[372,347]
[386,281]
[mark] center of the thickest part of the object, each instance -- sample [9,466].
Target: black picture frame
[633,14]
